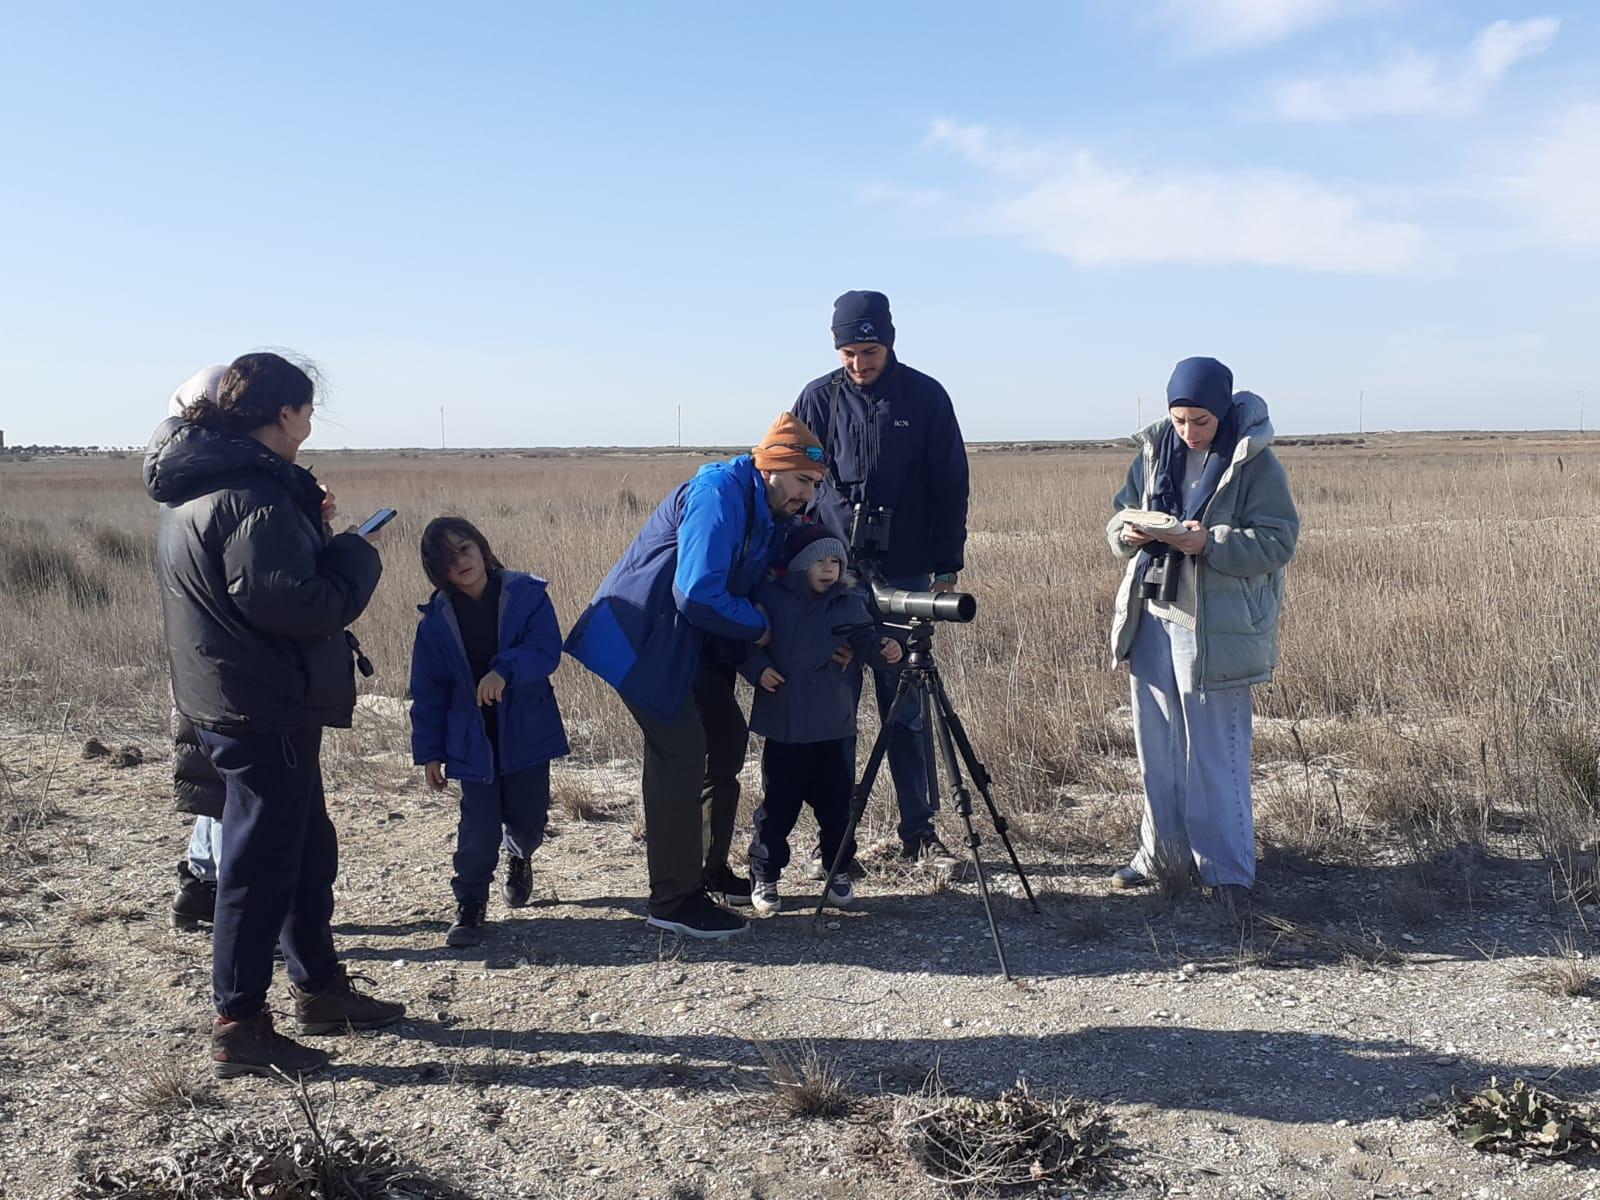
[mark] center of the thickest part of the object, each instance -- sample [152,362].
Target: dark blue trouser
[280,856]
[794,774]
[907,764]
[511,811]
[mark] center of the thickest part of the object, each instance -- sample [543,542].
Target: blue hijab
[1195,383]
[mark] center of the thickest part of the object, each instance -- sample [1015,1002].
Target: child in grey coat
[805,706]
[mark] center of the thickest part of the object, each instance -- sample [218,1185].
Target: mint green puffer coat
[1253,528]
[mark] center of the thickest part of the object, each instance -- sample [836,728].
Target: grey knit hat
[813,543]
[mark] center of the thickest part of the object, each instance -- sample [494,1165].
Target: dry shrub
[120,546]
[576,803]
[1564,974]
[1016,1141]
[244,1160]
[805,1083]
[38,569]
[1523,1121]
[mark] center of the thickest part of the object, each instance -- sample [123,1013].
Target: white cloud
[1068,202]
[1417,84]
[1215,25]
[1560,181]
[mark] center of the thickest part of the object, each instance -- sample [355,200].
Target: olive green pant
[691,788]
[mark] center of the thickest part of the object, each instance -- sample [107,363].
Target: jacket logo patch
[902,424]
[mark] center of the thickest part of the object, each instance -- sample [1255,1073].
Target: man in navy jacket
[681,585]
[892,441]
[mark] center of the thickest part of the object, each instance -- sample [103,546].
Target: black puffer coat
[196,786]
[254,594]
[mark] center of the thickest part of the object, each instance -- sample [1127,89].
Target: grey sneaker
[929,853]
[840,893]
[764,898]
[1124,878]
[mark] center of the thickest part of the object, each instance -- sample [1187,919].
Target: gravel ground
[579,1054]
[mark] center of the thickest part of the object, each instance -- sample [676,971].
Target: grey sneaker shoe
[840,893]
[929,853]
[764,898]
[1124,878]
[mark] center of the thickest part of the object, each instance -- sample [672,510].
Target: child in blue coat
[483,711]
[805,706]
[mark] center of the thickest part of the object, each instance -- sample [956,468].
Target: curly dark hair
[438,540]
[253,391]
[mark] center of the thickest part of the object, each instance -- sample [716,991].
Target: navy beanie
[862,317]
[1201,383]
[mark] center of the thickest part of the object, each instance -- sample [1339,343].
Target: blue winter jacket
[817,700]
[446,723]
[685,578]
[907,426]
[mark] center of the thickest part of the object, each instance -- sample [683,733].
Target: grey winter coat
[817,700]
[1252,530]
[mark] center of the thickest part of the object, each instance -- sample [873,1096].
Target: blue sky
[562,223]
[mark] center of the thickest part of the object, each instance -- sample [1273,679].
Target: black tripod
[920,686]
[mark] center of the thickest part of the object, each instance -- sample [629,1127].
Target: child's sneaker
[840,893]
[764,897]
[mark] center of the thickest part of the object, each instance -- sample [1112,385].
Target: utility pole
[1361,413]
[1580,412]
[680,427]
[441,427]
[1138,412]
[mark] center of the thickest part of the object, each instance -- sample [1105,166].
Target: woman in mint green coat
[1197,620]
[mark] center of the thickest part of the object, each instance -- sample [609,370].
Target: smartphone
[376,521]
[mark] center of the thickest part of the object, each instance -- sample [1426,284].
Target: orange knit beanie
[785,447]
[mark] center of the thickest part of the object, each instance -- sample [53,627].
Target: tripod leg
[980,777]
[963,806]
[863,789]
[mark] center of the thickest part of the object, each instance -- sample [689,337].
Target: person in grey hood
[1196,620]
[255,597]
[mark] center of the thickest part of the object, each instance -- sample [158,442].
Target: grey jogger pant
[1194,755]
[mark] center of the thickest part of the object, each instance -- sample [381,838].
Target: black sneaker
[518,885]
[697,917]
[195,903]
[929,853]
[468,927]
[726,886]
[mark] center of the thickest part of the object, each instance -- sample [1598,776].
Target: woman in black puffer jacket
[255,597]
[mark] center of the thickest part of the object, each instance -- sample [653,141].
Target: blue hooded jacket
[817,700]
[684,579]
[899,445]
[446,723]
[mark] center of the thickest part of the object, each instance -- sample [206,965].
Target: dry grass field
[1427,778]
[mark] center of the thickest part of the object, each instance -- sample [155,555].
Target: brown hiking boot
[339,1006]
[251,1046]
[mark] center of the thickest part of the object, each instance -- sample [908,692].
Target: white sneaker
[840,893]
[764,898]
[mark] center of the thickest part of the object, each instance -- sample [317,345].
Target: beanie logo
[866,330]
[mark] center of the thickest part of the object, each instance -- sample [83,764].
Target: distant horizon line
[1346,437]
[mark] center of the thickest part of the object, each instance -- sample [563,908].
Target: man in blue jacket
[892,441]
[681,585]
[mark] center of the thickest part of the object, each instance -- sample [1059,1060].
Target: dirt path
[579,1054]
